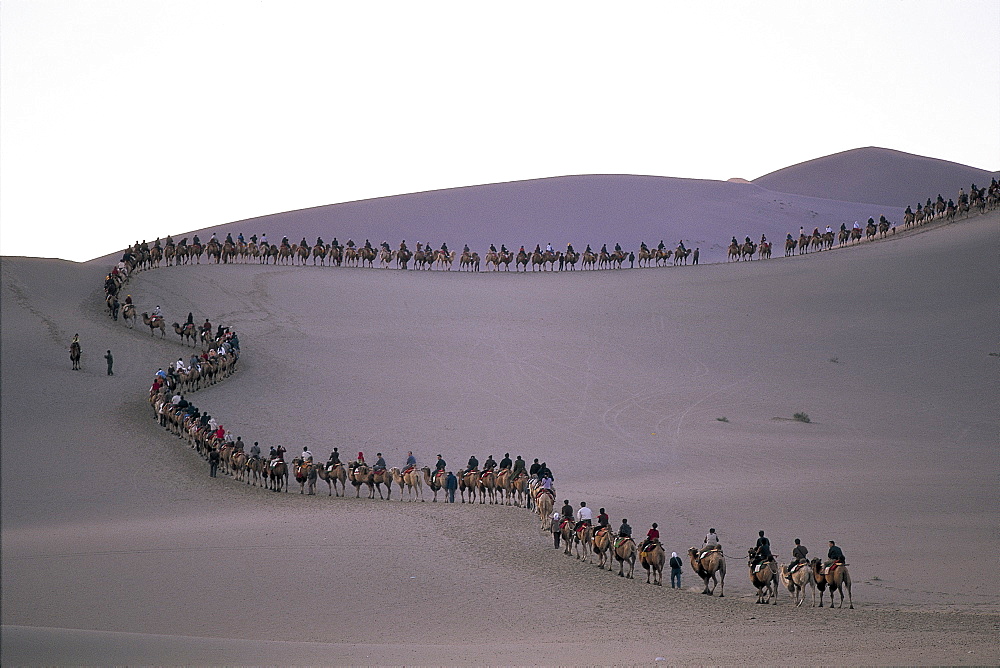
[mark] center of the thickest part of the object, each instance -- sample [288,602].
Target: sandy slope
[860,175]
[589,209]
[118,547]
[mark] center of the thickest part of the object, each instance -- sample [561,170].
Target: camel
[544,501]
[368,256]
[663,256]
[186,332]
[652,559]
[238,462]
[804,240]
[403,257]
[409,479]
[538,258]
[681,256]
[583,538]
[883,227]
[277,475]
[870,231]
[843,237]
[488,487]
[423,259]
[624,548]
[257,470]
[334,474]
[154,323]
[601,545]
[302,469]
[836,579]
[709,565]
[519,489]
[589,260]
[790,245]
[645,256]
[128,315]
[747,250]
[734,252]
[764,576]
[764,251]
[359,474]
[319,252]
[797,581]
[522,259]
[505,491]
[493,258]
[469,261]
[469,480]
[74,355]
[444,259]
[567,531]
[435,483]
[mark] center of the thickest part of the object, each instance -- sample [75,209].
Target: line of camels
[321,254]
[335,254]
[500,487]
[503,487]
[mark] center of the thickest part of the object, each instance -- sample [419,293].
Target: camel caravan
[509,483]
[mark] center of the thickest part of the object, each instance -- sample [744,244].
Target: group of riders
[761,553]
[145,249]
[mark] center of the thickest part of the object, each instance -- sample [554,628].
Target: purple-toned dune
[877,175]
[581,210]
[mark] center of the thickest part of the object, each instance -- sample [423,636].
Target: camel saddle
[621,541]
[564,522]
[601,531]
[545,491]
[408,469]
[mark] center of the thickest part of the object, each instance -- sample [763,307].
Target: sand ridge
[617,379]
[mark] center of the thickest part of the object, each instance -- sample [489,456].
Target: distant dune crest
[876,176]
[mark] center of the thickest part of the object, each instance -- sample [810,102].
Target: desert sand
[118,548]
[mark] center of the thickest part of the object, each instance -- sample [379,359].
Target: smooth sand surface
[587,209]
[859,175]
[118,547]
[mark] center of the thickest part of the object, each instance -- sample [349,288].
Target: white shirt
[711,539]
[306,454]
[584,513]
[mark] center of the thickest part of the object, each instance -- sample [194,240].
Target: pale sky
[132,119]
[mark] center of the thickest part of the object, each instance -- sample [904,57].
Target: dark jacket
[451,482]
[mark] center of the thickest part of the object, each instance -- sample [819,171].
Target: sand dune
[117,546]
[592,209]
[877,175]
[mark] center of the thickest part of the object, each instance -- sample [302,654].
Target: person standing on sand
[556,531]
[450,485]
[675,571]
[111,363]
[213,462]
[694,257]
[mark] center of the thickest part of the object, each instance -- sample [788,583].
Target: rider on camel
[652,536]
